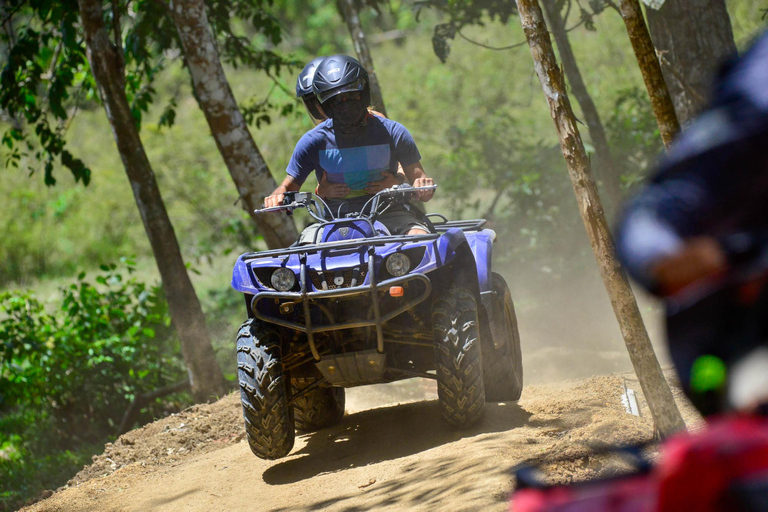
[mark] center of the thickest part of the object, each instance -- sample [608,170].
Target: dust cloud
[567,326]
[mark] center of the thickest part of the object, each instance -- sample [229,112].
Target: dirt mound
[198,429]
[380,457]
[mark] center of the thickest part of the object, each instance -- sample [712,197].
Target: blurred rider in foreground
[697,234]
[306,93]
[356,151]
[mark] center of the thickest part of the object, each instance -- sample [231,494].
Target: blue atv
[355,305]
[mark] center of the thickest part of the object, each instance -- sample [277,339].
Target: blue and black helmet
[304,82]
[306,92]
[338,74]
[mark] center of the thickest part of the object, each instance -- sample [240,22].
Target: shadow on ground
[384,434]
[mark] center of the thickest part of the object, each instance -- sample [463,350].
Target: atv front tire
[458,359]
[503,366]
[320,408]
[269,422]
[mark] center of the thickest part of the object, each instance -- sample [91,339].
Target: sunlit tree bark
[105,60]
[606,170]
[352,18]
[692,37]
[655,388]
[242,157]
[663,109]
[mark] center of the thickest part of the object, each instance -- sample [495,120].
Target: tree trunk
[655,387]
[693,37]
[607,171]
[242,157]
[651,70]
[350,14]
[205,376]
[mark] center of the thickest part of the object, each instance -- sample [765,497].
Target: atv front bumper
[372,289]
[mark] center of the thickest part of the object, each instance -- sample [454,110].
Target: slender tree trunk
[350,14]
[655,387]
[204,374]
[607,171]
[693,37]
[246,165]
[662,105]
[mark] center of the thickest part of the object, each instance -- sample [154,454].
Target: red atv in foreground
[722,468]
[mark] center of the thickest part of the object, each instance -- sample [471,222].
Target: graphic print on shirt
[356,166]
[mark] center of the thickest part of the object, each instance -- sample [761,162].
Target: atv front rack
[372,289]
[342,244]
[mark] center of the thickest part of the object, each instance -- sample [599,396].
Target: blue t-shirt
[357,161]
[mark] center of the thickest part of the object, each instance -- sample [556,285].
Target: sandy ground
[391,452]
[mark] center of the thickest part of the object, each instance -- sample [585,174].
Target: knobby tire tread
[503,366]
[458,358]
[269,422]
[320,408]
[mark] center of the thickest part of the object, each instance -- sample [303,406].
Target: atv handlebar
[294,200]
[405,188]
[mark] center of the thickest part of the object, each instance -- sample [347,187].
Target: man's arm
[416,176]
[289,184]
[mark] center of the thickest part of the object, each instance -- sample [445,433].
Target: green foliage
[520,184]
[462,13]
[633,133]
[106,343]
[46,66]
[27,468]
[68,376]
[47,73]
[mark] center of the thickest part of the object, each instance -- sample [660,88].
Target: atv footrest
[353,368]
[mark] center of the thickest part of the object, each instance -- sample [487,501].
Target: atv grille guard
[372,289]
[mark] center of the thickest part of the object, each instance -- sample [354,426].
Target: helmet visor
[356,86]
[314,109]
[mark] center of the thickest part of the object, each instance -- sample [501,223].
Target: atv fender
[242,280]
[481,244]
[454,248]
[473,252]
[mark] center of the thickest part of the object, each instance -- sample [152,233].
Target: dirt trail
[382,456]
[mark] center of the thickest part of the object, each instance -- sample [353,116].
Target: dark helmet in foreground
[339,74]
[306,92]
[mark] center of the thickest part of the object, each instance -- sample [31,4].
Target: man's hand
[276,197]
[418,178]
[699,258]
[424,195]
[328,190]
[388,181]
[274,200]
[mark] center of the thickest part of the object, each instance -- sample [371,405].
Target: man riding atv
[353,150]
[374,292]
[306,93]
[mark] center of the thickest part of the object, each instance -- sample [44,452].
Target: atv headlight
[283,279]
[398,264]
